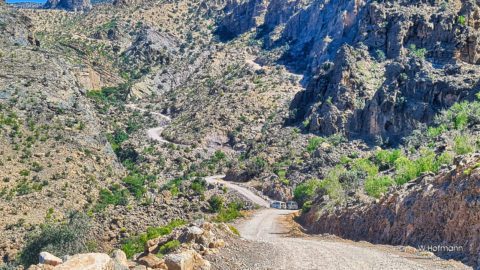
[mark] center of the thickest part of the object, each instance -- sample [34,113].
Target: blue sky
[30,1]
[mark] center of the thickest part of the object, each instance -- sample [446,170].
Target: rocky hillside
[72,5]
[378,72]
[119,110]
[436,213]
[363,58]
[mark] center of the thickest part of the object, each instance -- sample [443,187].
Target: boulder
[88,261]
[191,234]
[152,261]
[120,260]
[49,259]
[186,260]
[219,243]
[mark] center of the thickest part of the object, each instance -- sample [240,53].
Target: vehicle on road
[278,205]
[292,205]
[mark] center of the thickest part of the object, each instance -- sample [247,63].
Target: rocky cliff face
[243,17]
[362,60]
[371,87]
[428,213]
[72,5]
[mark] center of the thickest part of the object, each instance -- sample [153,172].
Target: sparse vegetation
[60,239]
[136,244]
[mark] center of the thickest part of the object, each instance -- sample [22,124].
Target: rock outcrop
[437,214]
[71,5]
[364,64]
[180,250]
[361,59]
[242,18]
[125,2]
[49,259]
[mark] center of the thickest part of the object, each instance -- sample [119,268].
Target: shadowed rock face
[72,5]
[242,18]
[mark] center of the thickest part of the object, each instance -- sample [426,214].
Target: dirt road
[268,244]
[271,246]
[217,179]
[155,133]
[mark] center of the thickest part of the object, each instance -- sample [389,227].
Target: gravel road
[267,244]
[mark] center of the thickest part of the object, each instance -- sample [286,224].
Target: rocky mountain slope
[73,5]
[301,99]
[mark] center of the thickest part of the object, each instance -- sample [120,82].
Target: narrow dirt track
[155,133]
[217,179]
[268,226]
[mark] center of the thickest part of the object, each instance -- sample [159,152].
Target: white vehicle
[278,205]
[291,205]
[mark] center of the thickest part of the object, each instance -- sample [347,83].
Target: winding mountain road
[155,133]
[270,227]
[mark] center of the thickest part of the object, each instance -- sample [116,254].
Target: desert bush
[169,246]
[387,158]
[198,185]
[331,185]
[216,203]
[314,143]
[464,144]
[375,186]
[136,244]
[306,191]
[115,195]
[59,239]
[460,116]
[231,212]
[135,184]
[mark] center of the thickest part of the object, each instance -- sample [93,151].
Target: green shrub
[59,239]
[110,95]
[375,186]
[174,186]
[256,166]
[306,206]
[463,145]
[231,212]
[419,53]
[135,184]
[216,203]
[169,246]
[314,143]
[234,230]
[331,184]
[306,191]
[365,165]
[198,185]
[461,20]
[434,132]
[388,157]
[405,170]
[136,244]
[115,195]
[460,115]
